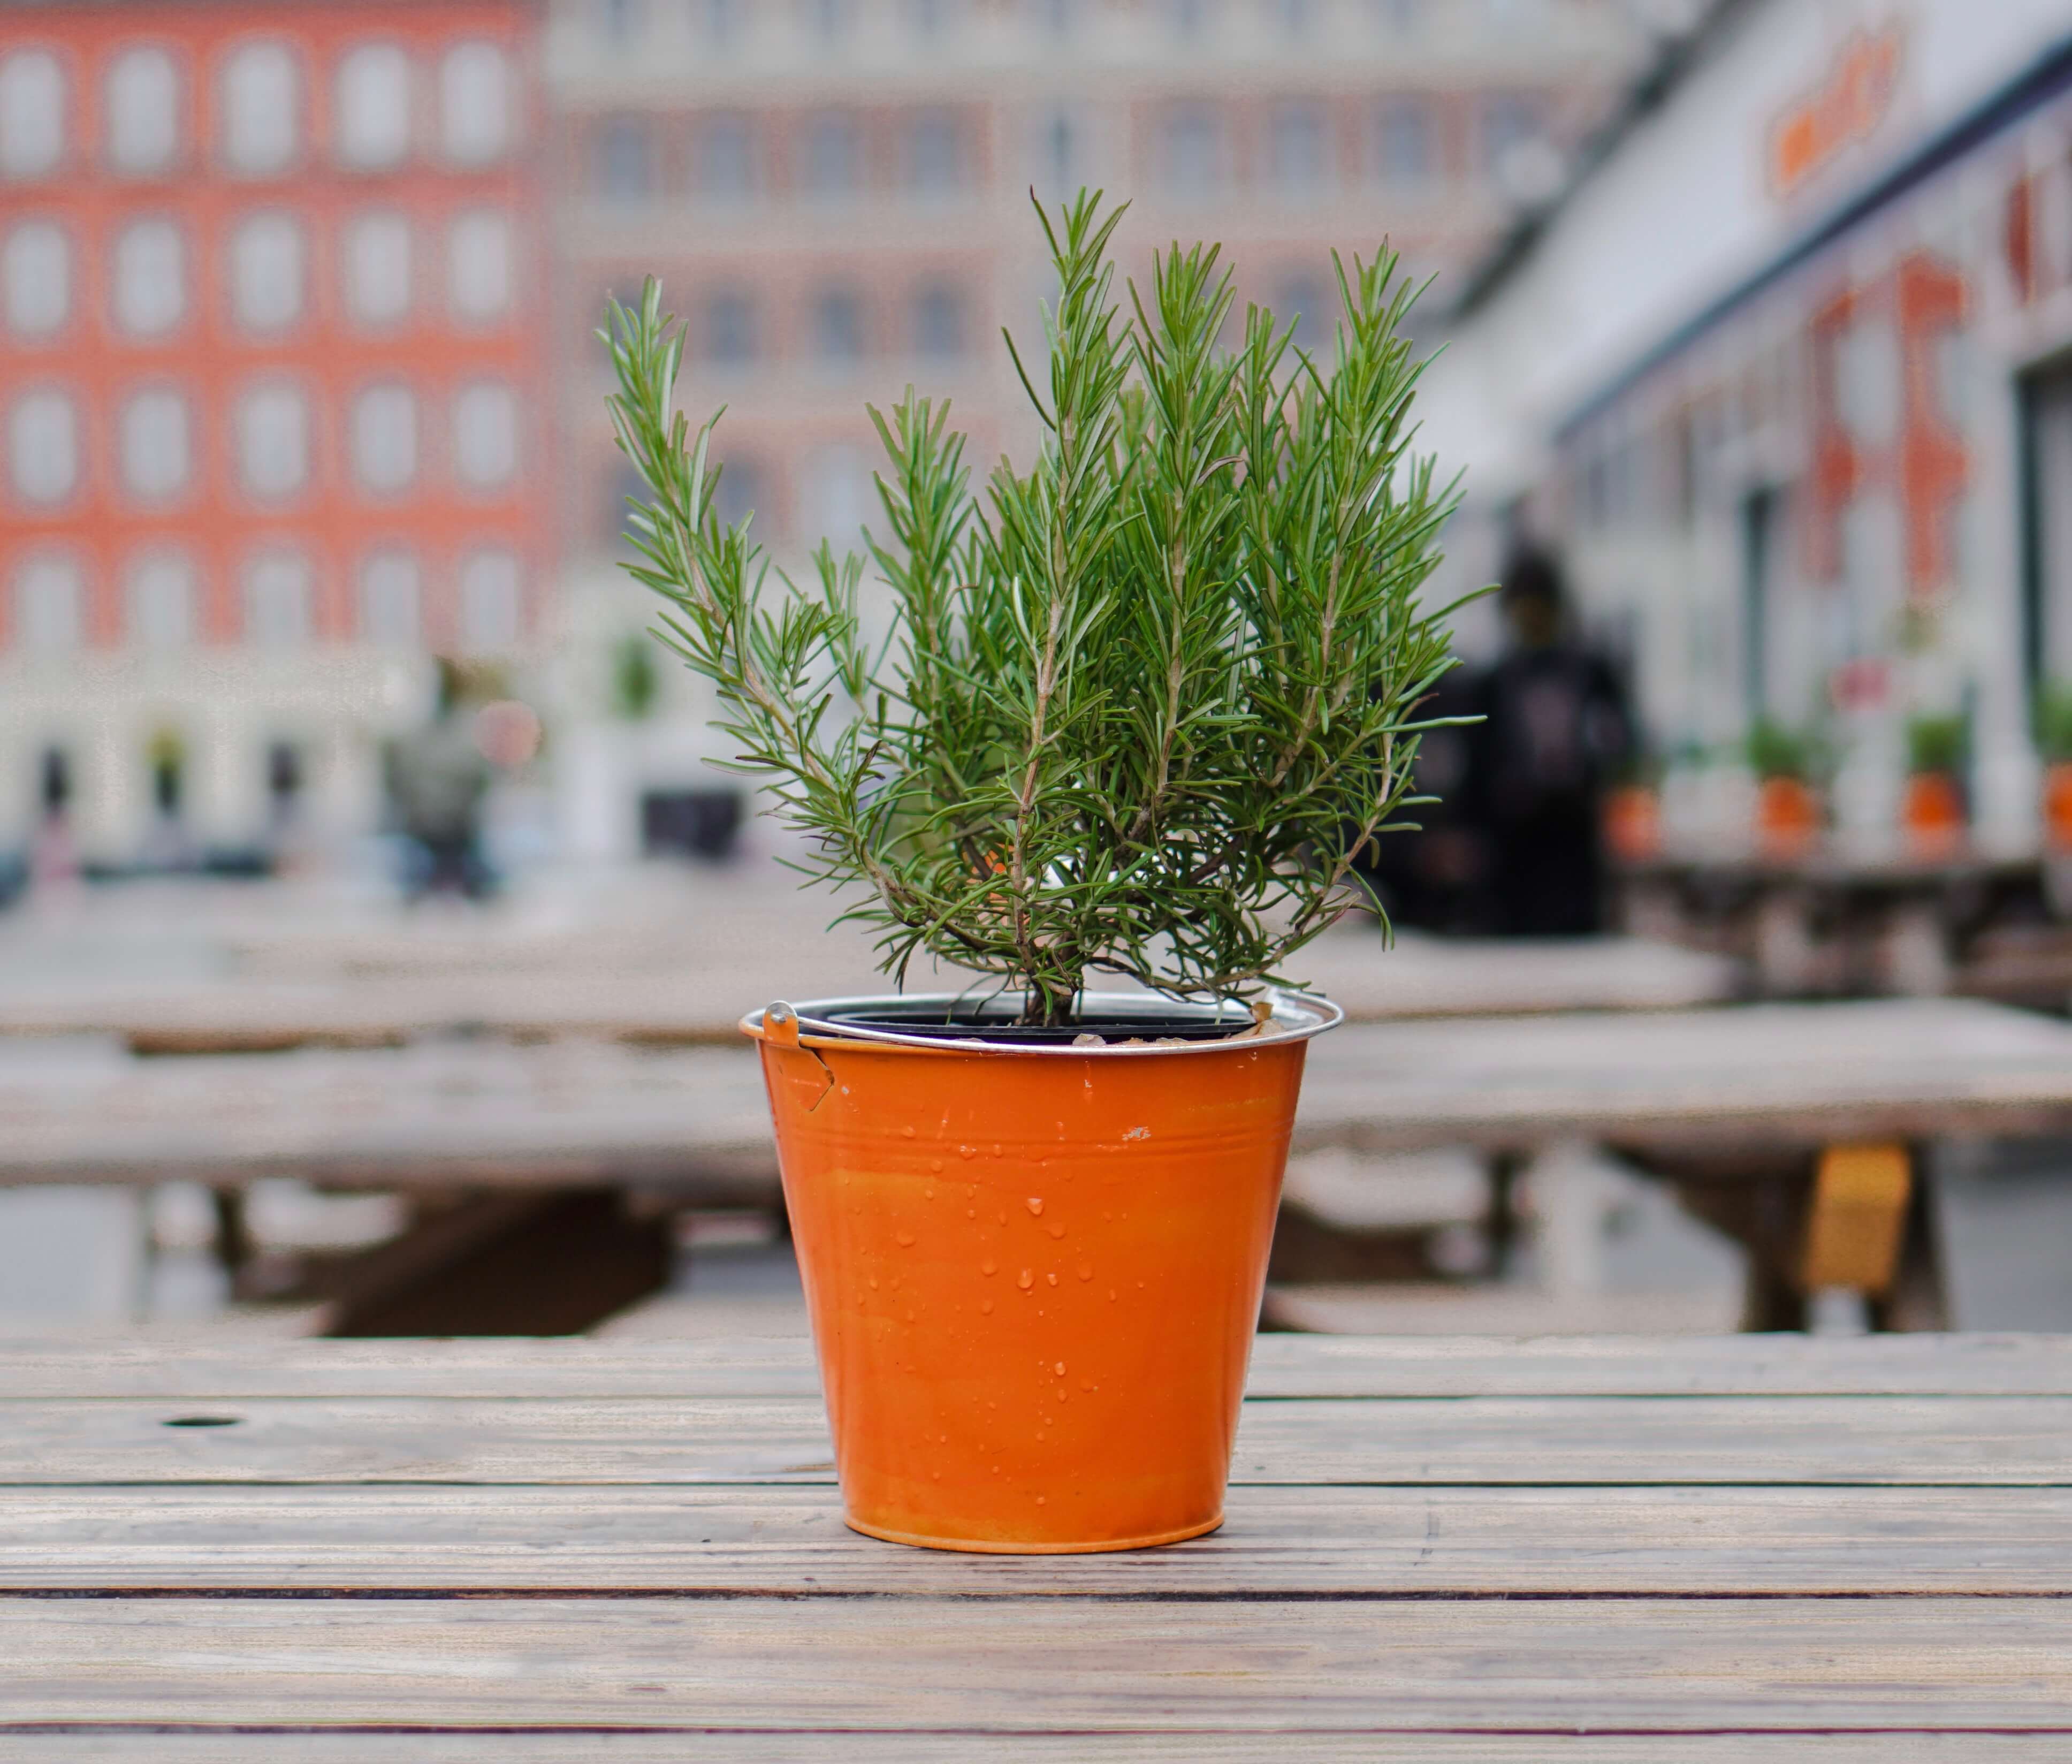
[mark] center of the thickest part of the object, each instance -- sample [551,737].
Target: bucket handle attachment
[780,1023]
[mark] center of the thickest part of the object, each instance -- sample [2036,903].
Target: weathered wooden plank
[1841,1440]
[1282,1366]
[1285,1542]
[566,1113]
[1795,1076]
[377,991]
[157,1746]
[1637,1666]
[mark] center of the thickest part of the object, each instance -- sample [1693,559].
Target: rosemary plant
[1144,703]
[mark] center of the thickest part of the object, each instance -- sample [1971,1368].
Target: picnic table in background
[1798,1127]
[1638,1552]
[688,984]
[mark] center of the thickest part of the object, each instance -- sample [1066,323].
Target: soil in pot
[1034,1270]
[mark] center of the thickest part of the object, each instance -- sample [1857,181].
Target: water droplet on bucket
[987,1307]
[1035,1204]
[1040,1501]
[907,1132]
[1025,1280]
[1110,1295]
[935,1164]
[989,1267]
[1085,1271]
[1051,1278]
[874,1283]
[967,1151]
[927,1193]
[904,1240]
[1055,1231]
[1060,1368]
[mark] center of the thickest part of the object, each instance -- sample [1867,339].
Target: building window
[161,592]
[143,112]
[35,267]
[1509,123]
[267,260]
[834,156]
[378,269]
[1398,18]
[43,444]
[1404,157]
[273,442]
[625,150]
[384,439]
[934,153]
[838,326]
[151,290]
[485,435]
[32,113]
[1303,302]
[50,598]
[374,107]
[1057,157]
[261,109]
[474,103]
[730,328]
[1054,18]
[276,600]
[723,160]
[932,19]
[1194,151]
[719,22]
[834,490]
[1295,17]
[478,278]
[829,20]
[621,21]
[1190,18]
[738,493]
[391,594]
[155,445]
[489,603]
[1301,144]
[938,323]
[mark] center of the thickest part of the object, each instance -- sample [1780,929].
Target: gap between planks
[1478,1441]
[1282,1366]
[566,1745]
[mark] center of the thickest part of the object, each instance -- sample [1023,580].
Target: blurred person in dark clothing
[1555,731]
[1433,878]
[437,778]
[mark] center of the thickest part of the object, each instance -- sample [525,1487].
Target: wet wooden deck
[1753,1548]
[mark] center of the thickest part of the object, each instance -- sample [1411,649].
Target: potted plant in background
[1932,811]
[2053,742]
[1142,706]
[1787,810]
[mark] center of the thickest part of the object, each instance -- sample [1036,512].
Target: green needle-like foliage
[1144,703]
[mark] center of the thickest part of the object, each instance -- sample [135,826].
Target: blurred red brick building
[270,348]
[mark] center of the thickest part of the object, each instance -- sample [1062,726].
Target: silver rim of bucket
[1294,1016]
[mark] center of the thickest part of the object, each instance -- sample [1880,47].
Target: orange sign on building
[1848,105]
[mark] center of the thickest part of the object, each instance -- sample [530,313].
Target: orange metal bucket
[1033,1273]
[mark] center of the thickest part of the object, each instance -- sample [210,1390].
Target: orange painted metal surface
[1034,1278]
[1787,816]
[1932,813]
[2058,804]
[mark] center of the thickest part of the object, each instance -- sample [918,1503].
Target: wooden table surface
[1754,1548]
[490,1113]
[690,990]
